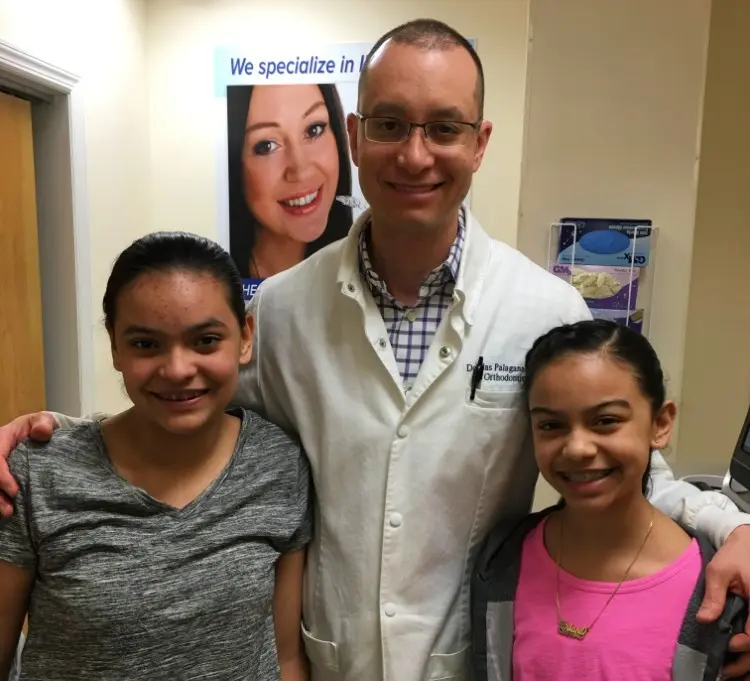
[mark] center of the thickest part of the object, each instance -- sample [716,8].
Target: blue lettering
[241,66]
[292,67]
[250,287]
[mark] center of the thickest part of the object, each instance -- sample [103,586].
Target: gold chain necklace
[565,628]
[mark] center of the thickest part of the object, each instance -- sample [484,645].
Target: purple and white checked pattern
[411,329]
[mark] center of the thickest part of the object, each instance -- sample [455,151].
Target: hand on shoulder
[38,426]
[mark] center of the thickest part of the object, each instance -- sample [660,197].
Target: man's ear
[247,334]
[483,139]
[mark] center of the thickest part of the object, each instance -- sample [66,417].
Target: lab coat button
[382,343]
[403,431]
[396,520]
[351,288]
[390,610]
[445,352]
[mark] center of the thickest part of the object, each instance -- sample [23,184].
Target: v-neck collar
[173,511]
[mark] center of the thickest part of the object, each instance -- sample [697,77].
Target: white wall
[716,387]
[104,43]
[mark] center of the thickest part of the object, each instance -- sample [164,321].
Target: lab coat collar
[471,273]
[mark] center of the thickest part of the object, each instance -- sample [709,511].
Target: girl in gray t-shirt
[166,542]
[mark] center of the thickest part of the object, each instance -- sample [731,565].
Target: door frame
[64,199]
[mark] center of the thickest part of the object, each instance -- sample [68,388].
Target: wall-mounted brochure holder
[611,264]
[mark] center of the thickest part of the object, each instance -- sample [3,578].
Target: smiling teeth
[587,476]
[301,200]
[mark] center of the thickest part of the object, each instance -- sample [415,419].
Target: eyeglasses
[387,130]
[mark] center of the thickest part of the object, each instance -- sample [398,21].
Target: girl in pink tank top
[602,586]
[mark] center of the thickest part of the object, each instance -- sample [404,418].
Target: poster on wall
[286,185]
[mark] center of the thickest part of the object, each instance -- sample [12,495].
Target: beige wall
[614,107]
[182,36]
[147,68]
[716,386]
[604,120]
[103,42]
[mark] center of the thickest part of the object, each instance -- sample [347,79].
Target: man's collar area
[470,272]
[448,270]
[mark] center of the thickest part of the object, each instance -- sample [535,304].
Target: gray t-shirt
[128,587]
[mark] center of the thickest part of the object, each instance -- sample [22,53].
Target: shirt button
[396,520]
[390,610]
[403,431]
[410,315]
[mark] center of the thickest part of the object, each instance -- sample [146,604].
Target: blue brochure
[604,241]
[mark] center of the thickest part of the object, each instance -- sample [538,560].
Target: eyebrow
[446,113]
[212,323]
[602,405]
[274,124]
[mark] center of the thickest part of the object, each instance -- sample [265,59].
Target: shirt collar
[477,252]
[443,273]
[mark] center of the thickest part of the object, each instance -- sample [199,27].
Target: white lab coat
[408,485]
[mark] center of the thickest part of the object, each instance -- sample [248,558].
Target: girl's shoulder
[270,468]
[73,459]
[505,542]
[74,447]
[259,431]
[262,445]
[685,534]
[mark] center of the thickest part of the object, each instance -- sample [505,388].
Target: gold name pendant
[571,631]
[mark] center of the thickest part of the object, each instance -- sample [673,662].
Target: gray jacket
[701,649]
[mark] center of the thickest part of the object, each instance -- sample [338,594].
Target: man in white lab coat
[368,349]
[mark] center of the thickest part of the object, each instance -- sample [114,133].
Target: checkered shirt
[411,329]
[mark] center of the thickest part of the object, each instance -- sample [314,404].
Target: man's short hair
[429,34]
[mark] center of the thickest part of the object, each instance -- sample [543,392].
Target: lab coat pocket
[322,654]
[495,399]
[443,667]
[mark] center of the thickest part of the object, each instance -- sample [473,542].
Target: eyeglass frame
[363,119]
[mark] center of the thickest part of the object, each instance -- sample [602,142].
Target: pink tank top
[633,640]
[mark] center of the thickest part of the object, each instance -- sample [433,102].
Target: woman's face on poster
[290,160]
